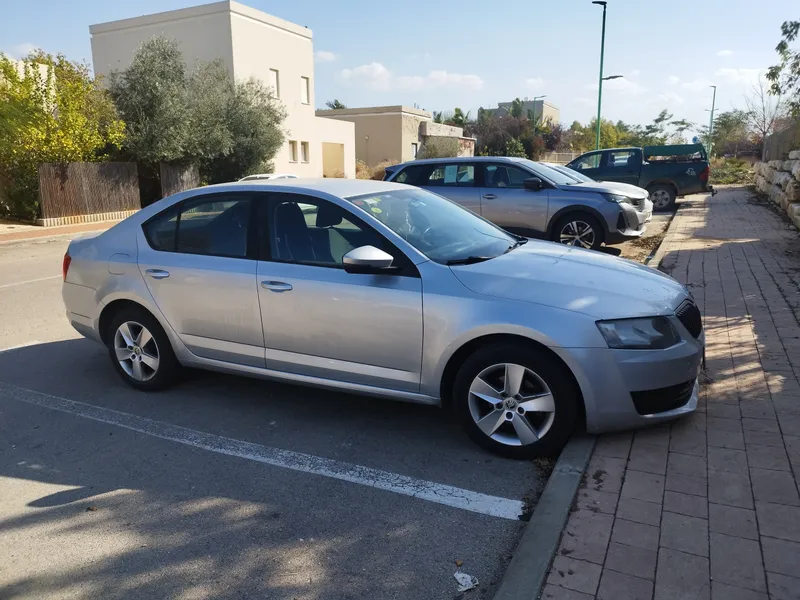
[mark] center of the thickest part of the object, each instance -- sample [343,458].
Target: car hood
[606,188]
[585,281]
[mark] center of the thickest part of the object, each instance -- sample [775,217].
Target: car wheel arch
[457,358]
[577,209]
[667,182]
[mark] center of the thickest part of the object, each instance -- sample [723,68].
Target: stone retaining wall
[780,180]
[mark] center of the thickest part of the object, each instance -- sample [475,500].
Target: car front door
[198,259]
[622,166]
[320,321]
[588,164]
[455,181]
[505,201]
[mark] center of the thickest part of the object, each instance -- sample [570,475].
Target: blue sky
[472,53]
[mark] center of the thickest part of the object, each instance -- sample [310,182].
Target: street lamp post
[535,98]
[711,121]
[600,84]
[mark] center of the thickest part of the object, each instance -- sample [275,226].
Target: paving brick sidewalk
[707,507]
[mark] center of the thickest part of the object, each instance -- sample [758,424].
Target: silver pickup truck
[532,199]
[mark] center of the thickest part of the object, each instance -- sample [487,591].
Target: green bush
[440,147]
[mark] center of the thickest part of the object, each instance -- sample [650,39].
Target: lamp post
[600,84]
[535,98]
[711,121]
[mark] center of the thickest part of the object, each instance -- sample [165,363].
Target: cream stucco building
[395,133]
[251,44]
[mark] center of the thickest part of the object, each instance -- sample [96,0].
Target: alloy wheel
[511,404]
[136,350]
[577,233]
[660,199]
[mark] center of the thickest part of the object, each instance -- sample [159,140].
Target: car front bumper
[662,380]
[631,222]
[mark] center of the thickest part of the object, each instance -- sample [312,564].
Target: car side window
[216,225]
[621,159]
[315,232]
[409,175]
[504,176]
[591,161]
[451,175]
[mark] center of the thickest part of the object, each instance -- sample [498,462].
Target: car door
[198,259]
[589,164]
[453,180]
[622,166]
[505,201]
[321,321]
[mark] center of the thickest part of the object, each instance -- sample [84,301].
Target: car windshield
[548,173]
[579,177]
[442,230]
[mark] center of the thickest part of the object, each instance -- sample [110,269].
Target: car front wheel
[580,230]
[663,197]
[516,401]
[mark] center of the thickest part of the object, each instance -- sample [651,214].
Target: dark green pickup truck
[665,171]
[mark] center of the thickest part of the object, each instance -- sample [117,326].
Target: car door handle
[276,286]
[489,196]
[157,273]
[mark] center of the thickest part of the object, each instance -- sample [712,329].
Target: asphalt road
[226,487]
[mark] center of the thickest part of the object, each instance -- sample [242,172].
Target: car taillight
[65,265]
[704,174]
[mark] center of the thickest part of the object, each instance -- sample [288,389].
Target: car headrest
[329,215]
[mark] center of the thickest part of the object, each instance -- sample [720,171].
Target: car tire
[518,430]
[149,366]
[662,197]
[582,229]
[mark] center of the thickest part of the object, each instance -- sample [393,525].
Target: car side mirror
[533,183]
[367,259]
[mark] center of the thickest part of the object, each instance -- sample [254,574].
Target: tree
[437,117]
[730,132]
[516,109]
[459,118]
[514,148]
[763,110]
[334,104]
[52,111]
[785,76]
[227,128]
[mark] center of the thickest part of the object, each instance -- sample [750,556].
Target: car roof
[343,188]
[460,159]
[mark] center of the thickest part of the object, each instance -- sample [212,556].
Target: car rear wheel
[662,196]
[578,229]
[516,401]
[140,350]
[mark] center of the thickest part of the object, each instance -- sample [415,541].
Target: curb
[527,572]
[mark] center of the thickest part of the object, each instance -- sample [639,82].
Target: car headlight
[618,198]
[651,333]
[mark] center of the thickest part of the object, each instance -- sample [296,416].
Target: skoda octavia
[389,290]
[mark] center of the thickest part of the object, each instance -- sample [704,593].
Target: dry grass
[363,170]
[379,170]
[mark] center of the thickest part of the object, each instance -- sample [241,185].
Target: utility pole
[711,121]
[600,82]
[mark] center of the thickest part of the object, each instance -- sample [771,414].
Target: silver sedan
[388,290]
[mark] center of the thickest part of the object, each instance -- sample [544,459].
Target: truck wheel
[663,197]
[578,229]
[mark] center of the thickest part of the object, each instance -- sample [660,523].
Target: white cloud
[724,52]
[671,98]
[696,84]
[534,82]
[376,76]
[674,80]
[21,50]
[738,75]
[324,56]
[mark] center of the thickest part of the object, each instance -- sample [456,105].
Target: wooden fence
[77,189]
[176,178]
[778,145]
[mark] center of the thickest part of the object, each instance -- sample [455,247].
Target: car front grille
[650,402]
[689,315]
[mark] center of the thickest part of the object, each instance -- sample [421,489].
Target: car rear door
[505,201]
[453,180]
[198,259]
[320,321]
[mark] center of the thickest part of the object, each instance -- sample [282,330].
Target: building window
[414,148]
[292,151]
[304,151]
[304,91]
[274,82]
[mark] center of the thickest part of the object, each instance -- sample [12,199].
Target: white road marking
[8,285]
[477,502]
[18,346]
